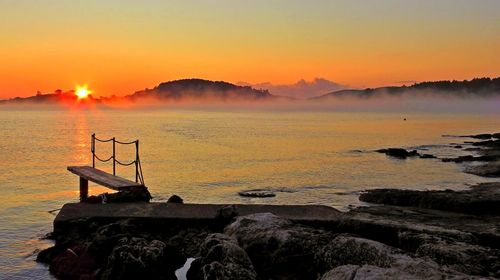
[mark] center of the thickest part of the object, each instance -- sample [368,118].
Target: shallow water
[208,156]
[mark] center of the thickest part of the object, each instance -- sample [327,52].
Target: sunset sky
[118,47]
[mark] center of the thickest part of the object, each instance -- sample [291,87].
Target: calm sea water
[208,156]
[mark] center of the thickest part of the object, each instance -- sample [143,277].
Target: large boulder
[461,256]
[137,258]
[188,241]
[224,216]
[345,249]
[278,248]
[221,258]
[74,263]
[107,236]
[350,257]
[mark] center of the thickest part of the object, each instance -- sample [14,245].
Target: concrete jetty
[186,214]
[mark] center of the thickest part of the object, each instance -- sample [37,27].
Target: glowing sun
[82,92]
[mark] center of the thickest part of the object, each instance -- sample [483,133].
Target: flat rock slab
[188,213]
[480,199]
[427,220]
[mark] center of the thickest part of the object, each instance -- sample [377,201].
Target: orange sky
[118,47]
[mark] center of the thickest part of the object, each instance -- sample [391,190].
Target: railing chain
[138,168]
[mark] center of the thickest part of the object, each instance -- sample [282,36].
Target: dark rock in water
[175,199]
[47,255]
[137,258]
[488,143]
[473,149]
[458,159]
[74,263]
[481,136]
[398,152]
[495,135]
[427,156]
[458,147]
[491,152]
[257,193]
[221,258]
[490,169]
[481,199]
[469,158]
[278,248]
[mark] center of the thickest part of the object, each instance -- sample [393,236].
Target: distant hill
[201,89]
[480,87]
[57,97]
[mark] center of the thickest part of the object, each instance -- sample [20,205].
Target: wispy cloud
[300,89]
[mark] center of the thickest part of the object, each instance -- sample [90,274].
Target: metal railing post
[137,161]
[92,148]
[114,157]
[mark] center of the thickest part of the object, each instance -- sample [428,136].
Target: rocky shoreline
[406,235]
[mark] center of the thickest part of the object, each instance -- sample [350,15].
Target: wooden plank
[102,178]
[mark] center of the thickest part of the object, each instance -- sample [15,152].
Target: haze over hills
[302,89]
[479,87]
[199,90]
